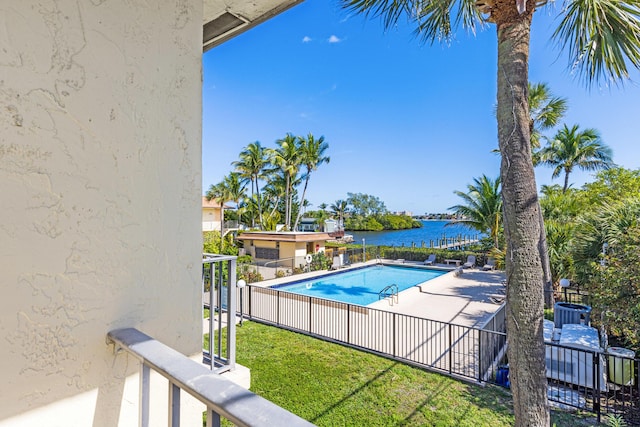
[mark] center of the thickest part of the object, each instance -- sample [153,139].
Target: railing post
[394,334]
[219,338]
[213,418]
[231,314]
[480,355]
[212,311]
[174,405]
[145,376]
[278,308]
[310,314]
[349,323]
[450,349]
[596,381]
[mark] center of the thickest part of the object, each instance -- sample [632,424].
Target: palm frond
[602,37]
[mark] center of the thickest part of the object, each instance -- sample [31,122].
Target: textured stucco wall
[100,222]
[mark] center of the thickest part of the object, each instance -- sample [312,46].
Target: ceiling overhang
[226,19]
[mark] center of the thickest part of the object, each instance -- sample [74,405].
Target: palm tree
[545,111]
[601,37]
[482,210]
[571,149]
[220,195]
[230,189]
[252,167]
[274,193]
[339,208]
[311,156]
[235,189]
[287,159]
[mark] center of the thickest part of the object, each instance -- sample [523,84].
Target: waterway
[430,231]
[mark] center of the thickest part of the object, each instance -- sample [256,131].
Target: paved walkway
[464,300]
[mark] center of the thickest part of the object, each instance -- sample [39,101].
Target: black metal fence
[462,351]
[600,382]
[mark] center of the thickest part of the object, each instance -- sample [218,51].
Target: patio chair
[431,259]
[490,265]
[471,262]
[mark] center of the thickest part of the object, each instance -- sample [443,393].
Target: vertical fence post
[145,378]
[480,369]
[394,335]
[174,405]
[310,314]
[349,323]
[278,308]
[450,349]
[596,383]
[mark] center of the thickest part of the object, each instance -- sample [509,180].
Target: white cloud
[306,39]
[334,39]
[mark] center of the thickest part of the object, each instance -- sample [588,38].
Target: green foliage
[482,207]
[615,288]
[360,223]
[612,420]
[320,261]
[365,204]
[397,222]
[572,149]
[211,243]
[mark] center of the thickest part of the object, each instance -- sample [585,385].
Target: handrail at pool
[221,396]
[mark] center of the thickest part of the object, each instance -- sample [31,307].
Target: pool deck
[465,299]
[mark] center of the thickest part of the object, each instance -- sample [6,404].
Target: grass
[333,385]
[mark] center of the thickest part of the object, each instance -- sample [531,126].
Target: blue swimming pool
[362,285]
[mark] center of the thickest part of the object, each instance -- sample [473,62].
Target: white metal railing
[223,398]
[221,295]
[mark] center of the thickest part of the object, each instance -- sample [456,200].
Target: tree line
[282,170]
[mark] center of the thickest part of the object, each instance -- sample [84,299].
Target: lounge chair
[431,259]
[471,262]
[490,265]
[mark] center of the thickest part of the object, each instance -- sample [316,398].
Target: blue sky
[405,121]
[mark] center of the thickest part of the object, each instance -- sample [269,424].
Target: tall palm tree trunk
[304,192]
[522,225]
[253,214]
[259,205]
[287,205]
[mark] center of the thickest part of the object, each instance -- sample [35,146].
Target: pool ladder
[390,292]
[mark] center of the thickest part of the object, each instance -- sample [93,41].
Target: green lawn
[333,385]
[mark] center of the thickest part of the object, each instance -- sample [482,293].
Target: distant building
[407,213]
[272,245]
[211,215]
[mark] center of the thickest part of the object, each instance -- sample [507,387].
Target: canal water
[430,231]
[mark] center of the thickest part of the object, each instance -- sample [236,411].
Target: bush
[320,261]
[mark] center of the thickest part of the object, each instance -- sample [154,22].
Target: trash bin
[502,376]
[621,365]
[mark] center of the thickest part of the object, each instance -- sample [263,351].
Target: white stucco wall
[100,225]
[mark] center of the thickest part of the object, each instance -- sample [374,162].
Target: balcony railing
[219,292]
[222,398]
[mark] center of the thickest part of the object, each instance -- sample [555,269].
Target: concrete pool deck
[463,300]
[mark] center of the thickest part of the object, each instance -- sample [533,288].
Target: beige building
[271,245]
[100,176]
[211,215]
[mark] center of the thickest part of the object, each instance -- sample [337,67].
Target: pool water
[363,285]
